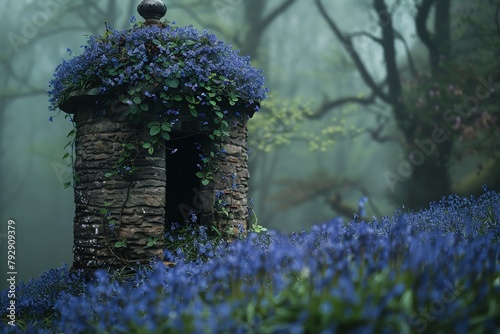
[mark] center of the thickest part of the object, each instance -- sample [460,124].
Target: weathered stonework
[232,181]
[136,206]
[140,204]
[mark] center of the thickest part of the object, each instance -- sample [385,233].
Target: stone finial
[152,11]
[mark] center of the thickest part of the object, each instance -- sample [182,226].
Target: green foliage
[159,75]
[192,242]
[68,156]
[151,242]
[161,72]
[281,122]
[121,244]
[254,222]
[429,271]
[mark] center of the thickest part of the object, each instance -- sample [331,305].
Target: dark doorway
[182,160]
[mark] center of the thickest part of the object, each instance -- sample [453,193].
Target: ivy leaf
[154,130]
[166,126]
[71,134]
[120,244]
[172,83]
[165,135]
[146,145]
[219,114]
[151,150]
[133,109]
[200,175]
[151,242]
[205,182]
[137,100]
[193,112]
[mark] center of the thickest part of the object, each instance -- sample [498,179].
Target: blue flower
[150,55]
[437,264]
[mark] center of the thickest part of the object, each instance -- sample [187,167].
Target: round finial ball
[152,9]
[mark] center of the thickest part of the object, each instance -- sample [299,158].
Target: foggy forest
[373,106]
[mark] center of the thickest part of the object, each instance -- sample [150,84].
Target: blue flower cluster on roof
[433,271]
[171,57]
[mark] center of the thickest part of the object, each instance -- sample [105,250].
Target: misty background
[322,141]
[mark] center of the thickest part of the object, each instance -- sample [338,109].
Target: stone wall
[231,184]
[136,205]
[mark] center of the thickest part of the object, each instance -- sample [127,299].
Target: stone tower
[121,216]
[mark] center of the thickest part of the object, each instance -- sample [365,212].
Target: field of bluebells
[432,271]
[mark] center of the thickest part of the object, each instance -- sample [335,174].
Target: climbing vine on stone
[157,71]
[156,76]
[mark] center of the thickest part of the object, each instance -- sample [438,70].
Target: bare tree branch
[366,34]
[411,63]
[328,105]
[275,13]
[421,23]
[376,135]
[347,43]
[393,79]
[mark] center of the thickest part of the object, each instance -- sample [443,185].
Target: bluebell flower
[376,276]
[361,206]
[202,53]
